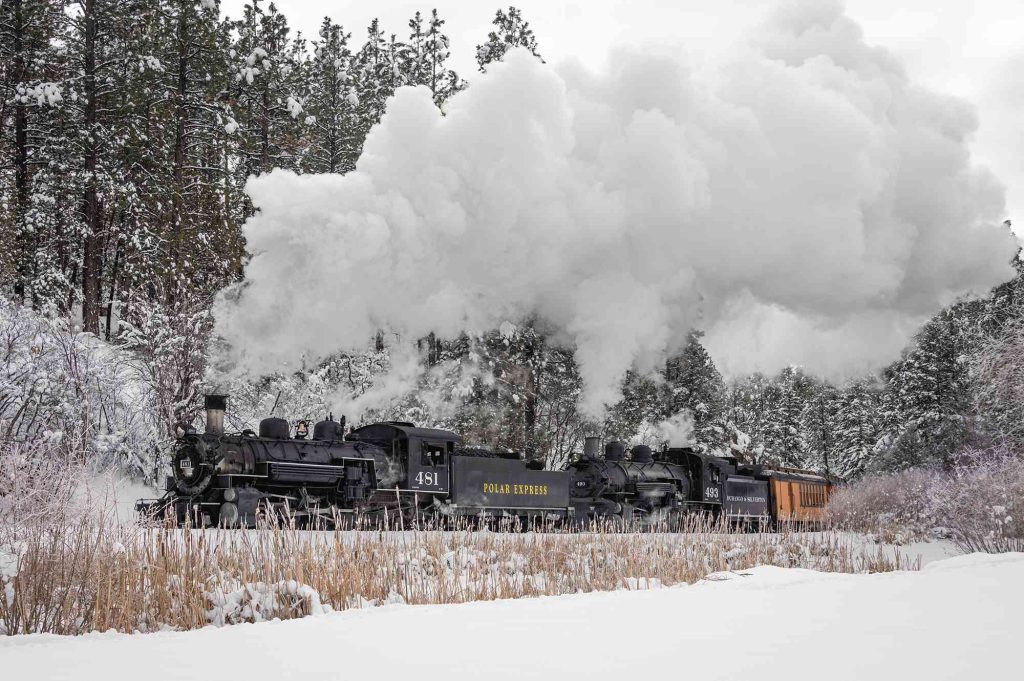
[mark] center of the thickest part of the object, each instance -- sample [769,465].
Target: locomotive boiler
[396,472]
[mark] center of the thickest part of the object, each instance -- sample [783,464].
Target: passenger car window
[812,495]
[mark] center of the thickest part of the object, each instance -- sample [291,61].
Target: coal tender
[396,473]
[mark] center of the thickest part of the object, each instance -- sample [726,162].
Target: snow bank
[949,621]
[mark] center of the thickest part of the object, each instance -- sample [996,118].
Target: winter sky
[972,49]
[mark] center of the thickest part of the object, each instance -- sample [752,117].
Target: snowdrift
[952,620]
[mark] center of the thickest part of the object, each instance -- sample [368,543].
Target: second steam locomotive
[394,471]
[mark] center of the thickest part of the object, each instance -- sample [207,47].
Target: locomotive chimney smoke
[215,406]
[591,448]
[796,194]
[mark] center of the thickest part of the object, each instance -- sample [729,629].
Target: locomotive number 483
[428,479]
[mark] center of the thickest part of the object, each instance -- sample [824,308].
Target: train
[398,474]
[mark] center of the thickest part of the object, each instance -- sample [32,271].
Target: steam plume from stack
[803,191]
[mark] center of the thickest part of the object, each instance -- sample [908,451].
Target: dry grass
[70,576]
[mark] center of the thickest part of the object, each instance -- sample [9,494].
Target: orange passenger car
[798,496]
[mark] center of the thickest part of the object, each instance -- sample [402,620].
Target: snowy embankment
[952,620]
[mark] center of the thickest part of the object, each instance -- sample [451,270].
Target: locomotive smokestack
[215,406]
[591,448]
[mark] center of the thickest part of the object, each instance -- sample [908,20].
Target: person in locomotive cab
[301,430]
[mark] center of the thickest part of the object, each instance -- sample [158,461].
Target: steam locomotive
[394,472]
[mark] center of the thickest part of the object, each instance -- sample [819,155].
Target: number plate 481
[428,479]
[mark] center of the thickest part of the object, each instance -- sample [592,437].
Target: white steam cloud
[803,192]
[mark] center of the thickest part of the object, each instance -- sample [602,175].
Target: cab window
[432,454]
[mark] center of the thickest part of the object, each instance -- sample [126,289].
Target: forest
[128,130]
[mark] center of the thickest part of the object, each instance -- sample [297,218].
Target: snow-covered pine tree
[414,59]
[515,355]
[522,393]
[333,128]
[786,398]
[268,110]
[927,405]
[374,77]
[820,427]
[693,383]
[185,239]
[397,56]
[100,40]
[427,56]
[738,419]
[857,426]
[510,30]
[746,412]
[641,402]
[1004,304]
[28,68]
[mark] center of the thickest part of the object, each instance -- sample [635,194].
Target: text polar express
[506,488]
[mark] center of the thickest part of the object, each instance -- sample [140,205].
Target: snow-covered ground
[956,619]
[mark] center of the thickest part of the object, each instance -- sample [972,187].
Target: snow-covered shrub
[233,602]
[978,502]
[893,507]
[981,502]
[67,395]
[36,480]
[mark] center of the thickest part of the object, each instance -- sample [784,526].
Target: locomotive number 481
[428,479]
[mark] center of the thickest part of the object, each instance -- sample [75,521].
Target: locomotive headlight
[179,430]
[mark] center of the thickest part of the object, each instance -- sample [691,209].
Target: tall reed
[71,575]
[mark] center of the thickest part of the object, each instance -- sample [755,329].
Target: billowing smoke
[801,201]
[675,431]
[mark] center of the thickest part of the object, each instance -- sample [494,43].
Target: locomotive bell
[215,406]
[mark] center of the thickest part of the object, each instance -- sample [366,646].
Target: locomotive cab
[708,473]
[421,456]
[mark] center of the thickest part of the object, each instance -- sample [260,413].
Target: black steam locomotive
[394,472]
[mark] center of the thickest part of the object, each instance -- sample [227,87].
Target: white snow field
[956,619]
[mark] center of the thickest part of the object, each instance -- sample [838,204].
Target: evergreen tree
[414,62]
[641,402]
[510,31]
[693,384]
[821,430]
[747,412]
[98,114]
[184,233]
[857,425]
[375,76]
[926,408]
[785,439]
[427,56]
[738,419]
[268,109]
[333,123]
[28,69]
